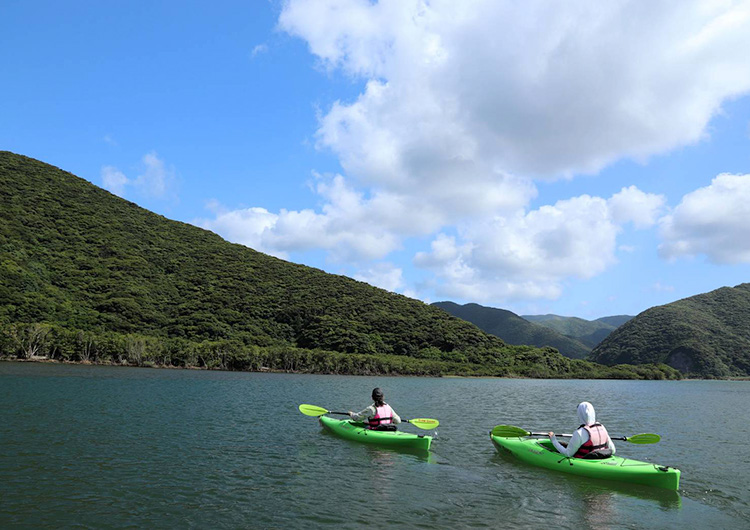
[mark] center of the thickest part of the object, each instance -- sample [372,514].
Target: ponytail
[377,397]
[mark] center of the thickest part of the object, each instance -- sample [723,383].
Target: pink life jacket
[383,416]
[598,437]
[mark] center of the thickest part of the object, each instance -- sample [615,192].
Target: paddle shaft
[623,438]
[314,410]
[346,414]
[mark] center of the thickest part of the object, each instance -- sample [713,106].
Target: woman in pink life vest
[590,440]
[378,415]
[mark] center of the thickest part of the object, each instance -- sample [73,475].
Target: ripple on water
[94,447]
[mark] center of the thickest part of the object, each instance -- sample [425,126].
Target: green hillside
[615,320]
[514,329]
[87,276]
[707,335]
[587,332]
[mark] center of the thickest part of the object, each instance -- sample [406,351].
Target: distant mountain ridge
[588,332]
[514,329]
[706,335]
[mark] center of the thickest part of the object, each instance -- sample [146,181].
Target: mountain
[87,276]
[615,320]
[707,335]
[514,329]
[588,332]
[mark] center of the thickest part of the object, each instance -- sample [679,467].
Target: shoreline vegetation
[265,369]
[53,343]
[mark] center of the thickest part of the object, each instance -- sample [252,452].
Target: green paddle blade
[312,410]
[424,423]
[646,438]
[509,431]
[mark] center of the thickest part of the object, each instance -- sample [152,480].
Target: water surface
[110,447]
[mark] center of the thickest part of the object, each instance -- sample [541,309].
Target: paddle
[509,431]
[422,423]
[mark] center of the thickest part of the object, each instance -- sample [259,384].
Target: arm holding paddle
[576,441]
[369,412]
[511,431]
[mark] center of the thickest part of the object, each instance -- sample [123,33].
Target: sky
[578,158]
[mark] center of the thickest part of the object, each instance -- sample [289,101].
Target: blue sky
[571,158]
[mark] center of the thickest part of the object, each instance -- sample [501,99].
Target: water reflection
[595,491]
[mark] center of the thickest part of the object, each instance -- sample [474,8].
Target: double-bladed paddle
[510,431]
[314,410]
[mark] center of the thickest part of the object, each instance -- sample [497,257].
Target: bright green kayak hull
[357,432]
[541,453]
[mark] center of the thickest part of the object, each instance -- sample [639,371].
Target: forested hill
[707,335]
[87,276]
[515,330]
[588,332]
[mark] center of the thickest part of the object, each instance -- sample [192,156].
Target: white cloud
[155,181]
[350,225]
[114,180]
[532,254]
[384,275]
[713,221]
[633,205]
[465,103]
[488,88]
[259,49]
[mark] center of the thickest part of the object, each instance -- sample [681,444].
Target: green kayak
[541,453]
[356,431]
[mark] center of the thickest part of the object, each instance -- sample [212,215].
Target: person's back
[379,415]
[590,440]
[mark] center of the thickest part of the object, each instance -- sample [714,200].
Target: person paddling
[379,415]
[590,440]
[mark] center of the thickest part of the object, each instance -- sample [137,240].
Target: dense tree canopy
[87,276]
[707,335]
[516,330]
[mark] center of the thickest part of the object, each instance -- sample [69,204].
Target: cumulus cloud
[531,253]
[465,104]
[711,221]
[491,87]
[155,180]
[350,225]
[114,180]
[633,205]
[384,275]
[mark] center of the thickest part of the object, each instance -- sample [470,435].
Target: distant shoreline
[263,370]
[43,360]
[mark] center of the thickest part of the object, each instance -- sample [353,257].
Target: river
[111,447]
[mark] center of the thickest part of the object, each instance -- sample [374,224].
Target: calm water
[106,447]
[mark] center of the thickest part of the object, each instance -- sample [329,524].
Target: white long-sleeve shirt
[370,411]
[587,416]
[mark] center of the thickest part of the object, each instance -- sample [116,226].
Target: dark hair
[377,397]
